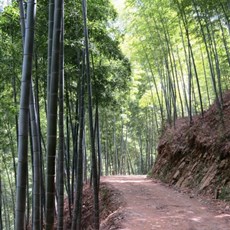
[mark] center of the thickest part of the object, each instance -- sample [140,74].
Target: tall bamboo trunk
[212,72]
[61,147]
[52,117]
[36,164]
[24,118]
[76,222]
[90,108]
[50,41]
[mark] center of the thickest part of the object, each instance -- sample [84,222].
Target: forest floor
[150,204]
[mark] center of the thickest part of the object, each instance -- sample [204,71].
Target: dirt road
[151,205]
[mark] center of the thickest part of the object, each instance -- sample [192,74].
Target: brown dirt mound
[197,156]
[110,201]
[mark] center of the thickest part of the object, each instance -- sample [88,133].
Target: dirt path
[151,205]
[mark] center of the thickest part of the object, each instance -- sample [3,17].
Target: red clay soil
[149,204]
[197,155]
[110,200]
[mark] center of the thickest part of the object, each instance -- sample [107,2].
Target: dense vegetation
[72,110]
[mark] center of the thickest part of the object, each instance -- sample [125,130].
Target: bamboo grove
[182,49]
[67,60]
[72,109]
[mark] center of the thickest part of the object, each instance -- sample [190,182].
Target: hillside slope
[197,156]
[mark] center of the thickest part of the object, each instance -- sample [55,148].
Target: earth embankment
[197,155]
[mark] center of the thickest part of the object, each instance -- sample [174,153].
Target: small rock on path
[151,205]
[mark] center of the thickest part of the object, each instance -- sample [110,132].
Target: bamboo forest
[96,88]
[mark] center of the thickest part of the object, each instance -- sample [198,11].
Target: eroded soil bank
[197,155]
[110,200]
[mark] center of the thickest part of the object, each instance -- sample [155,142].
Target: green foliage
[110,74]
[225,193]
[137,95]
[156,37]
